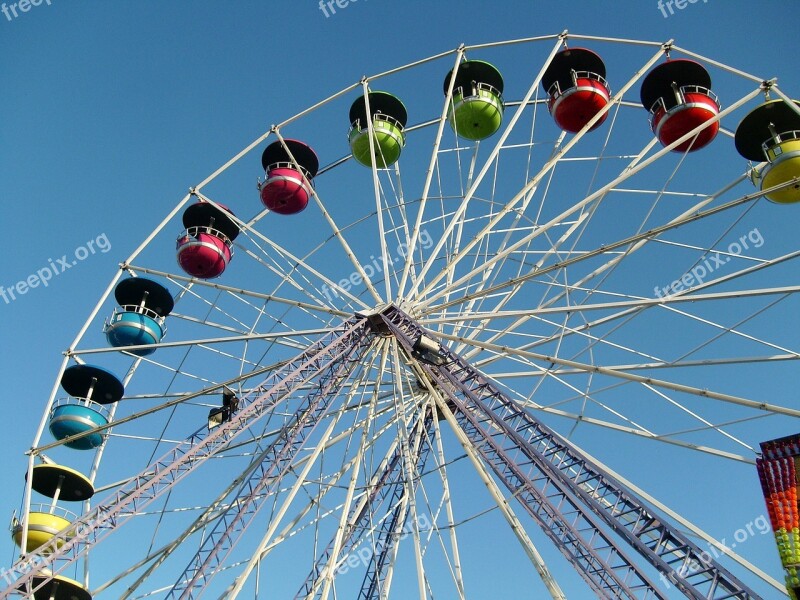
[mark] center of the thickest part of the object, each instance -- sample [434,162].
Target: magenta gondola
[205,247]
[289,173]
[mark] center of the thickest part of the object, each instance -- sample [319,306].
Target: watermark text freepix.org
[376,266]
[363,555]
[697,274]
[33,562]
[54,267]
[666,5]
[14,9]
[328,7]
[759,525]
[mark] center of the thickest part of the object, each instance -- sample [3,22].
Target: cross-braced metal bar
[233,522]
[591,517]
[566,492]
[387,482]
[390,529]
[340,346]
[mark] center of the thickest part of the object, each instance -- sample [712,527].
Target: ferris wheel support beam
[267,542]
[65,547]
[376,583]
[725,550]
[576,534]
[269,472]
[386,479]
[496,420]
[597,558]
[502,503]
[642,433]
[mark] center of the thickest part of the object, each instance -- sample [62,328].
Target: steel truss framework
[581,508]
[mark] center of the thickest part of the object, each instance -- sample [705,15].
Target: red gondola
[678,95]
[577,89]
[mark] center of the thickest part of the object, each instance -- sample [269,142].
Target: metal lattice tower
[597,524]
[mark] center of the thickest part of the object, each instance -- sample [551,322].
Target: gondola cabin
[58,588]
[45,520]
[678,96]
[387,116]
[476,110]
[771,133]
[205,247]
[91,389]
[139,320]
[576,87]
[289,167]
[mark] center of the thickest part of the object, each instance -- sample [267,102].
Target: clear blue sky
[110,111]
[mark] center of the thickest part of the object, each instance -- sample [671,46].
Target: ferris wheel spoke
[703,362]
[662,438]
[424,198]
[507,296]
[641,237]
[688,294]
[447,501]
[502,503]
[294,261]
[385,478]
[344,530]
[269,543]
[484,170]
[535,180]
[589,368]
[241,293]
[679,360]
[489,276]
[639,303]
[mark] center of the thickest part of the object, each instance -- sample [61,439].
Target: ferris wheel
[469,309]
